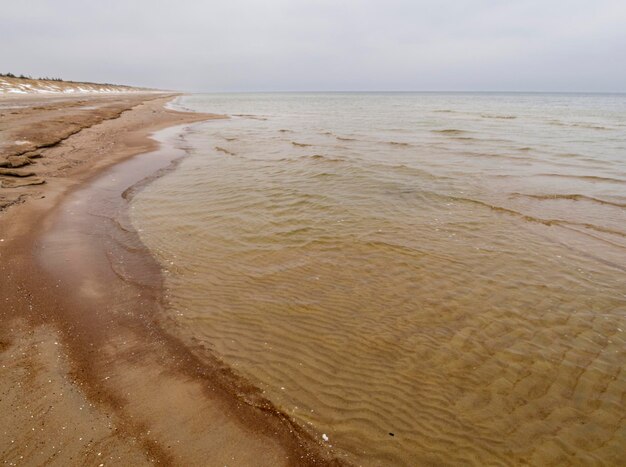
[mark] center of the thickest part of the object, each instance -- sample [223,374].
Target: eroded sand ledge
[87,376]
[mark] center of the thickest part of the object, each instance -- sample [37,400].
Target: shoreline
[137,395]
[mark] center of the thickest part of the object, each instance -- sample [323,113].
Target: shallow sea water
[423,278]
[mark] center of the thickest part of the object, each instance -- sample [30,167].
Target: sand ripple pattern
[435,301]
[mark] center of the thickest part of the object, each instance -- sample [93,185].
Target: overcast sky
[283,45]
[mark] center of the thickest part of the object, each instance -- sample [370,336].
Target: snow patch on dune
[18,86]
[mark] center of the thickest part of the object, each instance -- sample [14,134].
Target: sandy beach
[313,233]
[87,374]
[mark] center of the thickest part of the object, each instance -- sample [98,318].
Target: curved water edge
[414,303]
[117,330]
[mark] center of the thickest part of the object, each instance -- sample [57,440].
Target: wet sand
[87,375]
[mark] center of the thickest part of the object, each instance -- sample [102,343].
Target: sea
[413,278]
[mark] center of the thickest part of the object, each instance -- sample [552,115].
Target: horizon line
[395,92]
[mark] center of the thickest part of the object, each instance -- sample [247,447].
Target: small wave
[225,151]
[450,131]
[572,197]
[397,248]
[322,158]
[301,145]
[445,111]
[283,130]
[295,231]
[590,126]
[591,178]
[398,143]
[572,155]
[539,220]
[403,168]
[230,139]
[343,138]
[314,158]
[488,155]
[250,116]
[499,117]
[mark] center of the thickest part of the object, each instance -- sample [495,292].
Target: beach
[312,279]
[374,234]
[87,375]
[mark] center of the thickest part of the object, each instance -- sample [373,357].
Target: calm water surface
[424,278]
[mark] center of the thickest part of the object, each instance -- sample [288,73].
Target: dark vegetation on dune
[45,78]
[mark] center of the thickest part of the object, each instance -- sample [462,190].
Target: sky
[321,45]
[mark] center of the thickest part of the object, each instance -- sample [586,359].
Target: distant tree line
[11,75]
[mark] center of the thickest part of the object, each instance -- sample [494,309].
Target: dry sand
[87,375]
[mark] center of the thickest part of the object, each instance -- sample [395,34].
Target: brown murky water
[416,278]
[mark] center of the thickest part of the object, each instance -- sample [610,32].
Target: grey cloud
[321,45]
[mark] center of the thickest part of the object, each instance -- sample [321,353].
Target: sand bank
[87,375]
